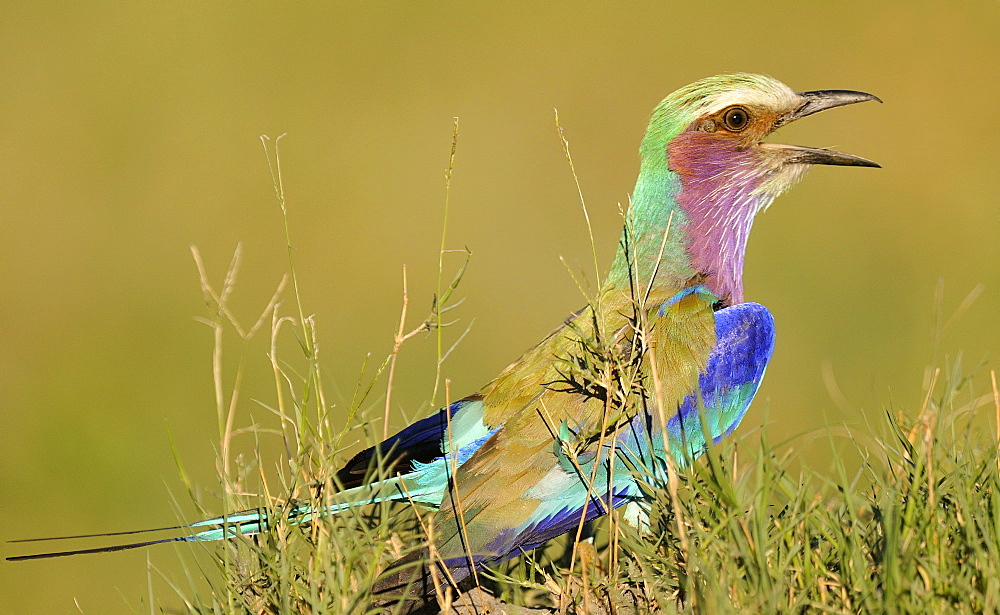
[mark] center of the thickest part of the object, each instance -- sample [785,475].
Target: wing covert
[744,343]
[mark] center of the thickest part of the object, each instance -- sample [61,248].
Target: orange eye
[736,118]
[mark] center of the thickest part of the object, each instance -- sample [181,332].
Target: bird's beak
[814,102]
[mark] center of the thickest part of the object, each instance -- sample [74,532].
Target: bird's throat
[691,214]
[722,187]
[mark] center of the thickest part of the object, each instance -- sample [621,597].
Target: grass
[915,530]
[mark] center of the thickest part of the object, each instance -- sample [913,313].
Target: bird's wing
[518,493]
[521,488]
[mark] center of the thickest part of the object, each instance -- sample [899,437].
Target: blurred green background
[130,130]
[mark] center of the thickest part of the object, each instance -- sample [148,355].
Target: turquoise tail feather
[255,521]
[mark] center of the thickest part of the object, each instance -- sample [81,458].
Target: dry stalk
[397,342]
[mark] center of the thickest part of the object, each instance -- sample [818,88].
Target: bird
[663,361]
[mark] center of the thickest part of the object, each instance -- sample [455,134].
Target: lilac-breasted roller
[666,356]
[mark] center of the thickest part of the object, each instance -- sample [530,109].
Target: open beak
[814,102]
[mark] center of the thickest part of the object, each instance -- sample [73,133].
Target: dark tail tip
[124,547]
[101,535]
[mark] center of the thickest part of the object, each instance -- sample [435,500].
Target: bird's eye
[736,118]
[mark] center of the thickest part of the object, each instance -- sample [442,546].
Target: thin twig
[579,191]
[397,342]
[996,406]
[439,300]
[453,485]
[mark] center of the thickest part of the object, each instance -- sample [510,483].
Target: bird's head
[722,121]
[704,150]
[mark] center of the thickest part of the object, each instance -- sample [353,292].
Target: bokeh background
[129,131]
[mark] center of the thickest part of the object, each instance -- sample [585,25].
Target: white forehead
[714,94]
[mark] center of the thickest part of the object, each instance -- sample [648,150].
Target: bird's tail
[249,522]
